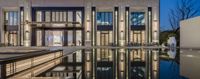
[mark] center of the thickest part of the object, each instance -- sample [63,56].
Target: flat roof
[190,19]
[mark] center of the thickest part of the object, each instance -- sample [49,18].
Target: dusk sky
[165,6]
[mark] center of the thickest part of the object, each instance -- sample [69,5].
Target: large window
[137,18]
[11,21]
[11,18]
[57,16]
[104,18]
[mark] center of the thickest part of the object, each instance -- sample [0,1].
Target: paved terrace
[70,49]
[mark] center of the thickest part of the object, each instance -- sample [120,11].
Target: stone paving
[70,49]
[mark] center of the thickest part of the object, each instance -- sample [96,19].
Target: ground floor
[68,26]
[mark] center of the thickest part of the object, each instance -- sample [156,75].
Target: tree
[184,9]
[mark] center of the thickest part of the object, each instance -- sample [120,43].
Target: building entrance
[138,37]
[54,38]
[104,39]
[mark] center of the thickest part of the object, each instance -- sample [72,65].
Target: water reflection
[114,63]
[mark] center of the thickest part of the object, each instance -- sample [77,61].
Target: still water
[119,64]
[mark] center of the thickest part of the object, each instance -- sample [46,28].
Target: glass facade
[65,27]
[104,18]
[137,18]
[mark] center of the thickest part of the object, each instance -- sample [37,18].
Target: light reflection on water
[119,63]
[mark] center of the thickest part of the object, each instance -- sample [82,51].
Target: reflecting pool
[118,64]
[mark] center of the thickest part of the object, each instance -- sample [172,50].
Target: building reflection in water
[108,64]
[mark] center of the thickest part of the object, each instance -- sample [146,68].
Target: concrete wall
[190,63]
[71,3]
[190,33]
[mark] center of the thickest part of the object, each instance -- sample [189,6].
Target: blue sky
[165,6]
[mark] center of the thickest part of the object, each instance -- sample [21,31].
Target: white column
[27,27]
[155,27]
[87,25]
[121,26]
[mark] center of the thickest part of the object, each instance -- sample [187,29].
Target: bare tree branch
[184,9]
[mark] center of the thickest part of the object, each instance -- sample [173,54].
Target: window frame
[137,22]
[103,19]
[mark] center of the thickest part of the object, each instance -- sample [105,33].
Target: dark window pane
[137,18]
[104,18]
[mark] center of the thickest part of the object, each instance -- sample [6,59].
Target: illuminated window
[137,18]
[11,18]
[104,18]
[79,17]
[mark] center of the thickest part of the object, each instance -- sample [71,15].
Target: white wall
[190,33]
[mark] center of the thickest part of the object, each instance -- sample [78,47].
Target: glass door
[104,39]
[138,37]
[54,38]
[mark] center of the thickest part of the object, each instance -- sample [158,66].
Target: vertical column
[43,30]
[94,64]
[82,25]
[122,28]
[155,25]
[1,26]
[65,38]
[74,30]
[74,62]
[3,71]
[115,57]
[88,64]
[155,64]
[43,37]
[149,19]
[21,34]
[83,60]
[33,43]
[27,28]
[116,25]
[146,64]
[122,64]
[65,31]
[93,24]
[128,64]
[88,33]
[127,25]
[148,67]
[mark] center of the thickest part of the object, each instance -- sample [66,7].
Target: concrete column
[93,23]
[27,26]
[155,27]
[116,26]
[1,26]
[149,25]
[121,28]
[87,26]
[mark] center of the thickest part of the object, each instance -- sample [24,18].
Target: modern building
[78,22]
[189,33]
